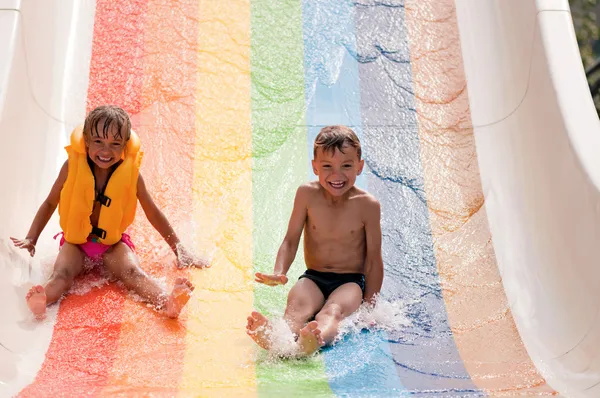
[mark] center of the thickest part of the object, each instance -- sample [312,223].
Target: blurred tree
[586,28]
[584,13]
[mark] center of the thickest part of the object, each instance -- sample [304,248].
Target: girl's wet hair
[112,118]
[331,138]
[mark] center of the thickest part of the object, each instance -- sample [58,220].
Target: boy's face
[337,171]
[107,151]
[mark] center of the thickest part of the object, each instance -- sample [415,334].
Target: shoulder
[369,205]
[363,197]
[308,189]
[64,171]
[140,182]
[305,194]
[141,185]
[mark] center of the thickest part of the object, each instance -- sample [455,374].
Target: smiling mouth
[337,184]
[102,159]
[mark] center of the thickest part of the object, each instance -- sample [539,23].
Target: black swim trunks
[327,282]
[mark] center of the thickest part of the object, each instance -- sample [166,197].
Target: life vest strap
[99,232]
[104,200]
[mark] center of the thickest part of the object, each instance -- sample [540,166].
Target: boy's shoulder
[370,209]
[308,190]
[364,197]
[310,187]
[306,193]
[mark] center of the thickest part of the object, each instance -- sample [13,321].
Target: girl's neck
[100,172]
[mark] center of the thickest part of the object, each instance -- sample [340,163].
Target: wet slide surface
[227,99]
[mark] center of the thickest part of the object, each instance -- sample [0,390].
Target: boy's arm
[156,216]
[289,246]
[373,261]
[44,213]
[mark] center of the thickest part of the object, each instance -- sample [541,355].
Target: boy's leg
[68,264]
[341,303]
[122,262]
[304,300]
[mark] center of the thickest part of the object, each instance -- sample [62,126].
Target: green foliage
[588,33]
[586,28]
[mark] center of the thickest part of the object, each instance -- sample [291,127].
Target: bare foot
[310,339]
[182,290]
[36,300]
[259,329]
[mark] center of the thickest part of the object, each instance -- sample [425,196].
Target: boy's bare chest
[326,221]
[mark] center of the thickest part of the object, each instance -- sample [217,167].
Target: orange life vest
[77,196]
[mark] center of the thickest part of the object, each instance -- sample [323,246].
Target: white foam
[283,341]
[191,256]
[389,315]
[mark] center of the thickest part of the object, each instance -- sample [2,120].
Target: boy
[342,247]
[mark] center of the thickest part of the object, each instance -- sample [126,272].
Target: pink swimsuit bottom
[94,249]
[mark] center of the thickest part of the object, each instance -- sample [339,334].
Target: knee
[63,275]
[131,272]
[298,308]
[331,311]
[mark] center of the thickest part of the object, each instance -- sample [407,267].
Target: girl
[96,192]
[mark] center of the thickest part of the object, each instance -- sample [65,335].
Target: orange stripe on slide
[87,328]
[479,315]
[151,349]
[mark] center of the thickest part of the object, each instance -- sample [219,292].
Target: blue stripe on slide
[361,364]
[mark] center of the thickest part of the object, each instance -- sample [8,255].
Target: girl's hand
[187,259]
[26,244]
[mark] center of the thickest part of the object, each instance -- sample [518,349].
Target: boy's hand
[188,259]
[270,280]
[26,244]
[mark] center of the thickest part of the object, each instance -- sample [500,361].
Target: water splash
[389,315]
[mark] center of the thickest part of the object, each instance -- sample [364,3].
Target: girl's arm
[161,224]
[44,213]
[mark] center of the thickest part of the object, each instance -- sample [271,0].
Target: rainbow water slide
[480,140]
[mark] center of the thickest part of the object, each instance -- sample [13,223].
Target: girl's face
[105,149]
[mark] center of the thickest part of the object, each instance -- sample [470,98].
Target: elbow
[290,244]
[374,264]
[50,205]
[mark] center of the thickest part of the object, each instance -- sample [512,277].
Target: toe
[312,325]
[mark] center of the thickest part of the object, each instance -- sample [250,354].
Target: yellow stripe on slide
[218,359]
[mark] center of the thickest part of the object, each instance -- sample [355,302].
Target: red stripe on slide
[149,360]
[87,330]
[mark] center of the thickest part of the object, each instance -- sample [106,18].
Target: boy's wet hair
[113,117]
[332,137]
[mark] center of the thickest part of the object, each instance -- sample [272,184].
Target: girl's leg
[122,262]
[68,264]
